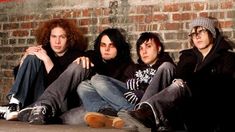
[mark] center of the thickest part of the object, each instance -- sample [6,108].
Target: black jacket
[144,73]
[115,68]
[211,81]
[60,63]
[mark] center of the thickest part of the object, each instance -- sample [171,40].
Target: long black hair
[119,41]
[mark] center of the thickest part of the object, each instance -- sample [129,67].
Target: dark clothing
[32,79]
[60,62]
[206,99]
[211,81]
[58,93]
[144,74]
[115,68]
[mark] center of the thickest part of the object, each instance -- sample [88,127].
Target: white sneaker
[3,110]
[12,112]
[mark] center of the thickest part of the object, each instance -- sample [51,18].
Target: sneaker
[24,114]
[94,119]
[142,118]
[129,119]
[40,115]
[98,120]
[108,111]
[12,111]
[3,110]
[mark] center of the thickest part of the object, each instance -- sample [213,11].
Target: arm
[42,55]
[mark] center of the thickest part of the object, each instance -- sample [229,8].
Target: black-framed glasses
[200,32]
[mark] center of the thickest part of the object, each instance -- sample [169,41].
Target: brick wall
[170,18]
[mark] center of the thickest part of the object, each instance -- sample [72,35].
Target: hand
[42,54]
[86,63]
[132,84]
[131,97]
[32,49]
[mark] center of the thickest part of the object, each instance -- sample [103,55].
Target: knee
[31,58]
[81,89]
[77,69]
[182,86]
[74,66]
[97,78]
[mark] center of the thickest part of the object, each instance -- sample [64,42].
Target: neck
[206,50]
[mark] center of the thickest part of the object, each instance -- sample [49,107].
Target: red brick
[20,33]
[171,7]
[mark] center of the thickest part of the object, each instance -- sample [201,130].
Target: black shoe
[12,111]
[142,118]
[108,111]
[40,115]
[24,114]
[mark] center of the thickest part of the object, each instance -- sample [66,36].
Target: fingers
[131,97]
[77,60]
[179,82]
[84,61]
[33,49]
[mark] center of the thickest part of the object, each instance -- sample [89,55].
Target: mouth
[144,57]
[57,47]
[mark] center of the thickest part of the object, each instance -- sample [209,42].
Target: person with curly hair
[59,43]
[110,57]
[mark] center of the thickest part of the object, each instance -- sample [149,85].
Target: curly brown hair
[75,39]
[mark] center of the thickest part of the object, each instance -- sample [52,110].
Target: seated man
[105,95]
[110,57]
[203,90]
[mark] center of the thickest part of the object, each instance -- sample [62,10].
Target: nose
[57,40]
[198,35]
[107,48]
[144,51]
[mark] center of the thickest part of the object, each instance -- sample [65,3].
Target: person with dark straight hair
[110,57]
[201,91]
[103,96]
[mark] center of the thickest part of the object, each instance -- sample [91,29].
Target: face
[58,40]
[149,52]
[201,40]
[107,49]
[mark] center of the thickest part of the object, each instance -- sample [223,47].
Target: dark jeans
[165,103]
[58,94]
[29,83]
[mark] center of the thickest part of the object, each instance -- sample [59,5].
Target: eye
[148,45]
[102,44]
[63,37]
[53,36]
[192,34]
[111,45]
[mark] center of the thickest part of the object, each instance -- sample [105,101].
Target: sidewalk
[17,126]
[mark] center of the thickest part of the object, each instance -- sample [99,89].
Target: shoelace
[39,109]
[12,107]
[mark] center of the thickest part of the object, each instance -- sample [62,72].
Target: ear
[159,49]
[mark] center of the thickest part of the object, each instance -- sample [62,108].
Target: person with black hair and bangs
[110,57]
[103,96]
[202,90]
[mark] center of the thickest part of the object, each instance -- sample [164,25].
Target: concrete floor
[17,126]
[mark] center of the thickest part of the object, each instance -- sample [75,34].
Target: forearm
[48,64]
